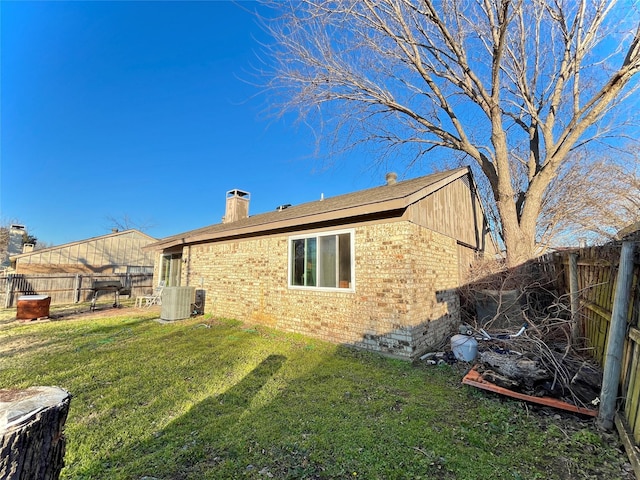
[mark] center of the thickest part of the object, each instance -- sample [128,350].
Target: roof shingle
[377,199]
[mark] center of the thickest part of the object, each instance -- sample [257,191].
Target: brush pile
[524,339]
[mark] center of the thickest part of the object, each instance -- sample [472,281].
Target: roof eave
[287,224]
[347,214]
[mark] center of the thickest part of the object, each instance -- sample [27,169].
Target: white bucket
[464,347]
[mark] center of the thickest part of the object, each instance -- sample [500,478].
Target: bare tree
[591,199]
[125,222]
[518,86]
[4,246]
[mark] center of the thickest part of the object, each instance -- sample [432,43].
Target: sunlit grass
[216,399]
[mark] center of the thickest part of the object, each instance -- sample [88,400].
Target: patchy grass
[216,399]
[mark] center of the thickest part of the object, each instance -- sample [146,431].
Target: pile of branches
[538,368]
[527,345]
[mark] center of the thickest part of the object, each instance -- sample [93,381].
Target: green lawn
[216,399]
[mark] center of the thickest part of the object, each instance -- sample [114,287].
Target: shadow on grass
[187,441]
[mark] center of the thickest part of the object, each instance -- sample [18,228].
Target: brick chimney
[237,206]
[17,235]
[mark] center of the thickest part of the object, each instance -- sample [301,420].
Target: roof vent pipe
[391,178]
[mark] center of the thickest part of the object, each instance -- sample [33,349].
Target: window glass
[328,272]
[345,260]
[170,269]
[297,262]
[164,268]
[311,262]
[322,261]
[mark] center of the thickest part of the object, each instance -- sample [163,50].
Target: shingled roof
[377,201]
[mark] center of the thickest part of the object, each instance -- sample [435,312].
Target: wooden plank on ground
[633,452]
[475,379]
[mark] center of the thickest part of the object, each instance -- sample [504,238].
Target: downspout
[188,266]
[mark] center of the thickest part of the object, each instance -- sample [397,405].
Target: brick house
[376,269]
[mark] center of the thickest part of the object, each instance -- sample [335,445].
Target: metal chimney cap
[236,192]
[391,178]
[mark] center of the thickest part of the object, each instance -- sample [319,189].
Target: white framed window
[322,260]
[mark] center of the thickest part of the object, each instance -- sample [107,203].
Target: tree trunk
[518,227]
[515,367]
[33,443]
[519,243]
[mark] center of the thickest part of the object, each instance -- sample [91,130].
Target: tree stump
[31,423]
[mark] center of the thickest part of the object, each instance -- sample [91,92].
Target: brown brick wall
[404,298]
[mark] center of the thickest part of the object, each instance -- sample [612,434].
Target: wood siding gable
[121,248]
[453,210]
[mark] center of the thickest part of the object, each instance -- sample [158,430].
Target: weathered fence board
[632,387]
[67,288]
[597,278]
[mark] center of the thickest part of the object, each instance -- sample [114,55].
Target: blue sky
[144,110]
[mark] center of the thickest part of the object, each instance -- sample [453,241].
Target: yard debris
[265,471]
[475,379]
[525,344]
[532,368]
[537,367]
[515,368]
[578,382]
[439,358]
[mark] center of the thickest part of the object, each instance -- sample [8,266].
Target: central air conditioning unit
[176,303]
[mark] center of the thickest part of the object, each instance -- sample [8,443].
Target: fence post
[9,292]
[7,297]
[615,343]
[575,299]
[76,288]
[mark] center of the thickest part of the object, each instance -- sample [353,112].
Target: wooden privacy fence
[67,288]
[597,277]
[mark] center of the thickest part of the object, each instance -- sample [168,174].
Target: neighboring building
[117,252]
[11,242]
[377,269]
